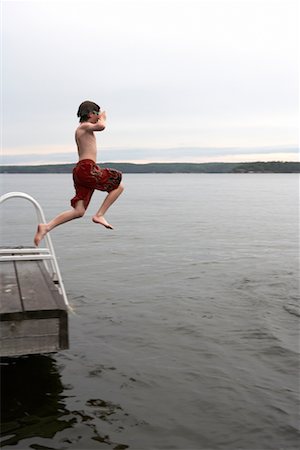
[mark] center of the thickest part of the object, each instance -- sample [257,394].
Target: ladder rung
[9,251]
[25,257]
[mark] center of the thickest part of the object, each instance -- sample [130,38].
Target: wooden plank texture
[35,293]
[10,295]
[29,336]
[53,287]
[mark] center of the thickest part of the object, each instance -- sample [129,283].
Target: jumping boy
[87,176]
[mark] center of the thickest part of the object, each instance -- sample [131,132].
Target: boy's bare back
[85,137]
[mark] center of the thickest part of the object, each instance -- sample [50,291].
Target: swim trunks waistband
[86,160]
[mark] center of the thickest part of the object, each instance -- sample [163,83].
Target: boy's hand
[102,116]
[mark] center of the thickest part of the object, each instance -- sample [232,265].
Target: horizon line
[152,162]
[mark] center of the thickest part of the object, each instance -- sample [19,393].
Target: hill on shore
[253,167]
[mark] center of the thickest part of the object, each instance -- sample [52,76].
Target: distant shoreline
[246,167]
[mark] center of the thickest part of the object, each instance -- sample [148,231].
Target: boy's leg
[108,201]
[66,216]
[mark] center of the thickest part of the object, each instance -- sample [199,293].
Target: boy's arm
[99,126]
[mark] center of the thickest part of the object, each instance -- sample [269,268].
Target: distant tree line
[268,167]
[254,167]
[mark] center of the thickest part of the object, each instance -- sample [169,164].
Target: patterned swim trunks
[87,177]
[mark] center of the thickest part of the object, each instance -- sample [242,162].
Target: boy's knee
[80,212]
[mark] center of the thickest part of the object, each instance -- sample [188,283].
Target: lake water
[185,334]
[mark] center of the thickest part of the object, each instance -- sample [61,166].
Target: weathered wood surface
[33,314]
[10,297]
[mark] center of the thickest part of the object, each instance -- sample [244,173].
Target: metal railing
[47,254]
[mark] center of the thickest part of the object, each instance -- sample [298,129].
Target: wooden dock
[33,313]
[33,303]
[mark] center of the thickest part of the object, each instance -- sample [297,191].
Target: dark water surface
[186,327]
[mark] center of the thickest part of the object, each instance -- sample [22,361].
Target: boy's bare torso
[85,137]
[86,143]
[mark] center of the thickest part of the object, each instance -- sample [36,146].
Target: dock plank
[10,295]
[34,289]
[53,288]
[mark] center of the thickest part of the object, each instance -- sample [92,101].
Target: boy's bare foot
[102,221]
[40,233]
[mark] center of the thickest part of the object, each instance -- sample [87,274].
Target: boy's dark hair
[85,108]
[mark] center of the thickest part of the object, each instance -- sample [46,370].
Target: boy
[87,176]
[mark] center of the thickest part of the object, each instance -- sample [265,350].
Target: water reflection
[33,407]
[32,404]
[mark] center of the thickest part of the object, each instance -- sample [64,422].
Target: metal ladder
[47,254]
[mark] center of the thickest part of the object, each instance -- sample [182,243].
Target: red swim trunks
[87,177]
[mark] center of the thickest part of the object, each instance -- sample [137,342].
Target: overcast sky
[180,80]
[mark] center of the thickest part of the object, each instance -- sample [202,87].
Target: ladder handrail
[48,241]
